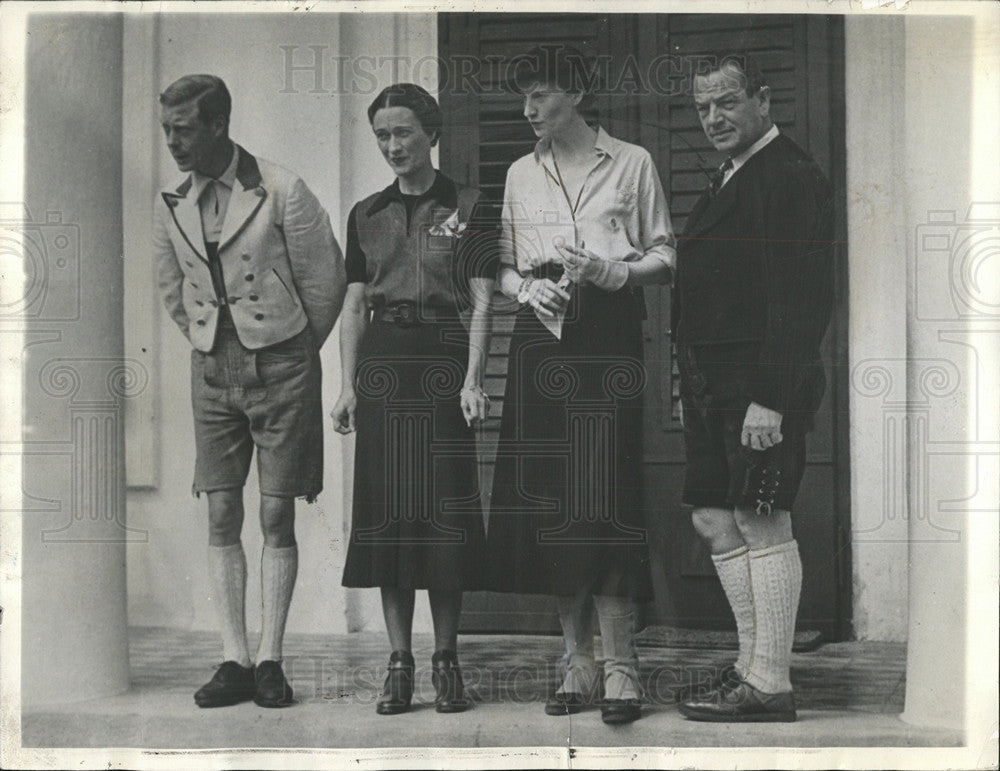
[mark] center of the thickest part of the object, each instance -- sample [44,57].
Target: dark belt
[410,314]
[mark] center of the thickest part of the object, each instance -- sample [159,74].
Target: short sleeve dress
[416,517]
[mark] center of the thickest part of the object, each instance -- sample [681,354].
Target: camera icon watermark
[958,265]
[47,255]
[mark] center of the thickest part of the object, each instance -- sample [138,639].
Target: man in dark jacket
[753,300]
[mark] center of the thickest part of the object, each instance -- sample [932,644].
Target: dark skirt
[417,521]
[566,508]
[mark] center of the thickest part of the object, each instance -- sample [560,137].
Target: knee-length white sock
[227,570]
[733,568]
[776,583]
[278,568]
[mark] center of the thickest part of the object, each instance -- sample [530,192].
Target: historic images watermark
[87,391]
[957,294]
[320,69]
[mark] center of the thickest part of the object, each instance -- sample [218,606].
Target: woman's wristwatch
[523,289]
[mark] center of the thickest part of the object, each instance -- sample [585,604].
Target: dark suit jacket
[755,264]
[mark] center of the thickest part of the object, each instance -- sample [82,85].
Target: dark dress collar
[442,190]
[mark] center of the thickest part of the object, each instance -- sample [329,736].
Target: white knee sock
[733,568]
[578,668]
[227,570]
[278,568]
[776,583]
[617,616]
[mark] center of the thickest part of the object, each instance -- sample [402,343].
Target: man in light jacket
[250,271]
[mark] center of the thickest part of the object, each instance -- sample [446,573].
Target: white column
[74,639]
[876,191]
[953,313]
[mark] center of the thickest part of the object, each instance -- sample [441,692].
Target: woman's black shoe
[397,693]
[564,704]
[619,711]
[447,678]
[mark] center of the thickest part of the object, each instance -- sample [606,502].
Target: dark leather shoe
[273,689]
[397,693]
[565,703]
[620,711]
[230,685]
[727,677]
[742,704]
[447,679]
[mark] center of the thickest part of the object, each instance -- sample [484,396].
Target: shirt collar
[605,144]
[227,178]
[769,136]
[441,190]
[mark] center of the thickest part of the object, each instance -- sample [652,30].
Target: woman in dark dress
[585,226]
[419,255]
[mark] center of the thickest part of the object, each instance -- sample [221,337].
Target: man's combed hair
[208,91]
[417,99]
[751,77]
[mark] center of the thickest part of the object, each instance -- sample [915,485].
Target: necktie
[719,175]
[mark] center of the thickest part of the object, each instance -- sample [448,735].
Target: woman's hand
[583,265]
[343,412]
[475,404]
[547,297]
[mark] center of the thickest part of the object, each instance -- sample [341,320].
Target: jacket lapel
[187,217]
[248,196]
[714,209]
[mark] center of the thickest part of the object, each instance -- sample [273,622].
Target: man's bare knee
[277,521]
[763,530]
[718,528]
[225,516]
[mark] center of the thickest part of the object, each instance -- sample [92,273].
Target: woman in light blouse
[419,253]
[584,227]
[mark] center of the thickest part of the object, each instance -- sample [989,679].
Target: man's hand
[343,412]
[761,428]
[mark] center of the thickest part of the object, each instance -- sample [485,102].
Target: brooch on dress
[451,227]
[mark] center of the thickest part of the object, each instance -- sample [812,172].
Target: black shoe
[397,693]
[742,704]
[230,685]
[447,679]
[273,689]
[620,711]
[727,677]
[565,703]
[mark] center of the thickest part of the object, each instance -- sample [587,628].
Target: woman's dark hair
[424,106]
[559,65]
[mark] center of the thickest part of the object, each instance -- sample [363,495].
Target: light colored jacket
[281,265]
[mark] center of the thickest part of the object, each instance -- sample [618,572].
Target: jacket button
[259,316]
[194,285]
[254,298]
[246,258]
[199,302]
[249,277]
[200,322]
